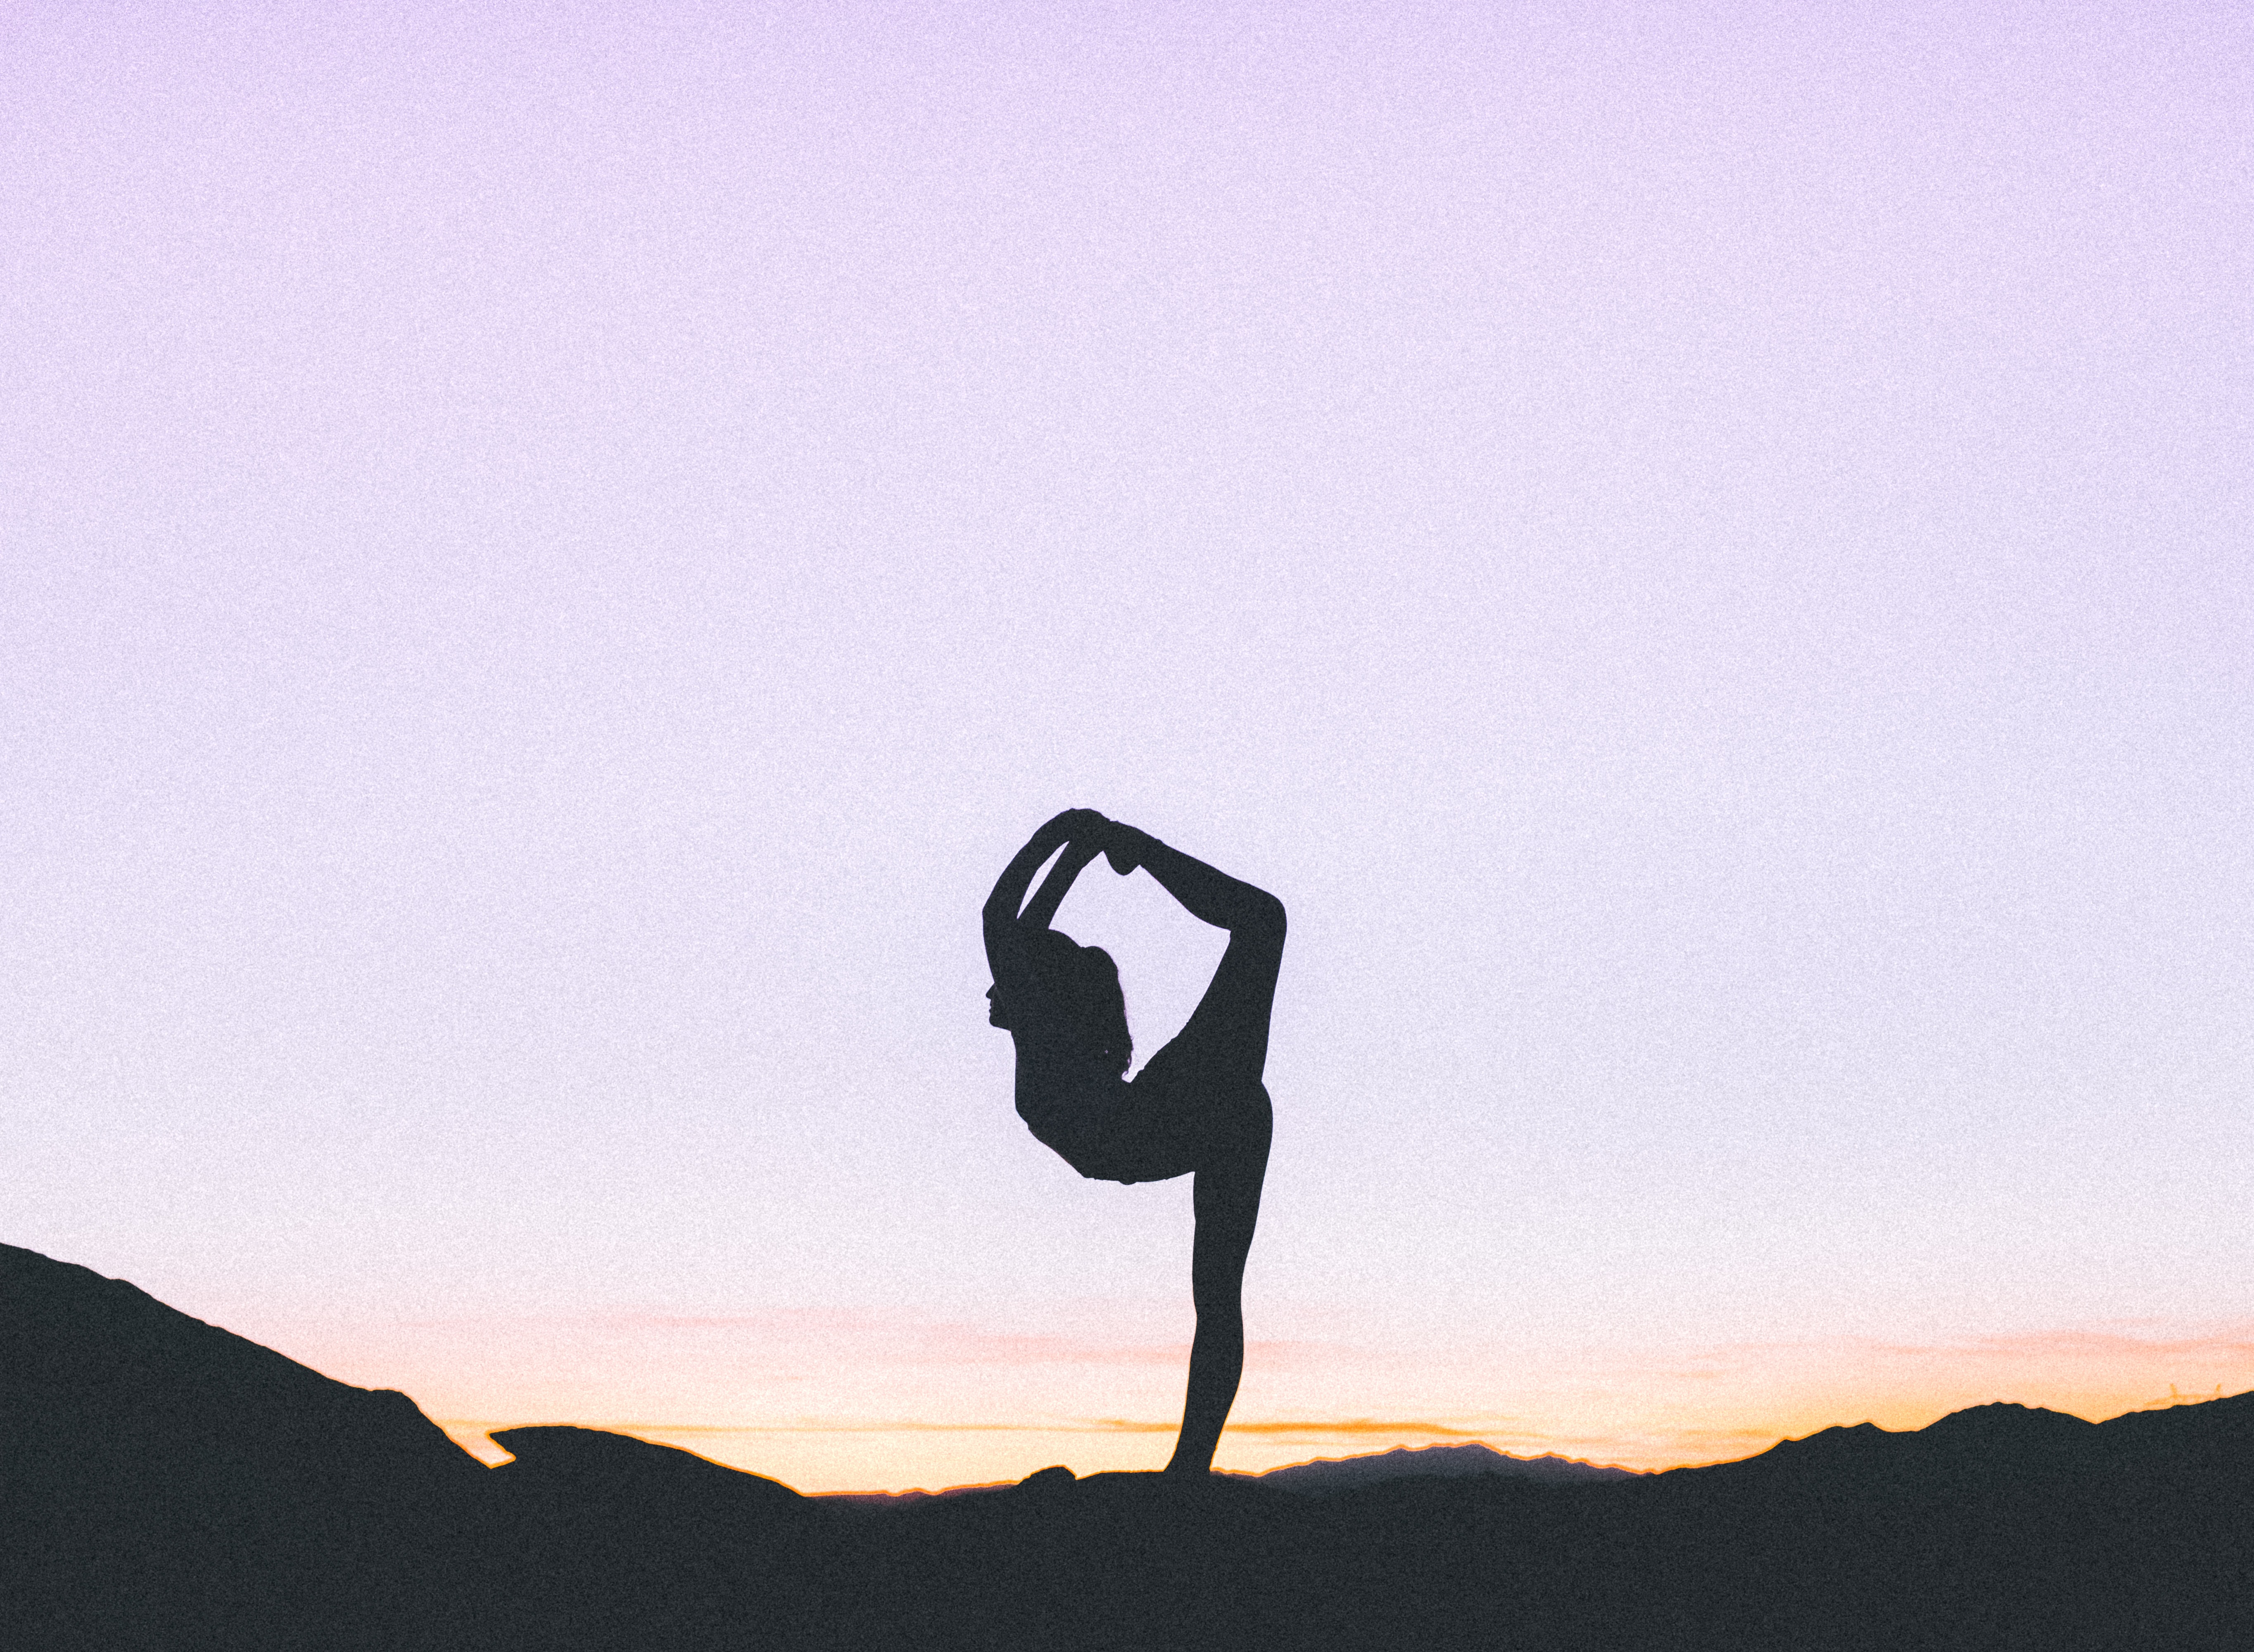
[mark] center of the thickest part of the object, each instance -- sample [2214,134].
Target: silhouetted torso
[1197,1108]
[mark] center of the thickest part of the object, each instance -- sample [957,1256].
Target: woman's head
[1075,998]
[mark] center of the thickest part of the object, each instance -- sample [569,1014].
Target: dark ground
[169,1485]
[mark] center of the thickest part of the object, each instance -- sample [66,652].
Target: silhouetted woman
[1197,1107]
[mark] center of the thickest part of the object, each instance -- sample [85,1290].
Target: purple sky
[1703,552]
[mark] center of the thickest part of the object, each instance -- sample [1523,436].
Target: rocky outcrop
[615,1544]
[167,1479]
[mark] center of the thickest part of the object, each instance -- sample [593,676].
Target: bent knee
[1263,919]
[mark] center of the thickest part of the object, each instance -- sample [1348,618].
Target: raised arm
[1001,914]
[1211,896]
[1042,910]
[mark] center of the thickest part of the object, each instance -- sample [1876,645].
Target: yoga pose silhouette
[1197,1107]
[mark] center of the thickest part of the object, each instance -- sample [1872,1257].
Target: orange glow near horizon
[859,1401]
[1667,1430]
[962,1453]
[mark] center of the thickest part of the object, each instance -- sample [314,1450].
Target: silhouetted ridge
[1339,1474]
[171,1488]
[254,1496]
[589,1462]
[2011,1440]
[1319,1478]
[2210,1433]
[74,1344]
[621,1543]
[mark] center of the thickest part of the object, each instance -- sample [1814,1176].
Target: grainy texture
[173,1486]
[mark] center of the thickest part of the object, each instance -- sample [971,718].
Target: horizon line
[1081,1425]
[1273,1427]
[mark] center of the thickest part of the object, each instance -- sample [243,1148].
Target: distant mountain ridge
[1339,1474]
[2003,1438]
[164,1484]
[1327,1474]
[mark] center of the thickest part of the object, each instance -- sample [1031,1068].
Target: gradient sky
[549,557]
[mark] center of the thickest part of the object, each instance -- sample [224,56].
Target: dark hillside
[164,1473]
[169,1485]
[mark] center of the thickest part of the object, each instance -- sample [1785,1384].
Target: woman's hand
[1085,834]
[1001,914]
[1124,846]
[1082,823]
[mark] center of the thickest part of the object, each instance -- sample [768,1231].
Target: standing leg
[1214,1062]
[1227,1199]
